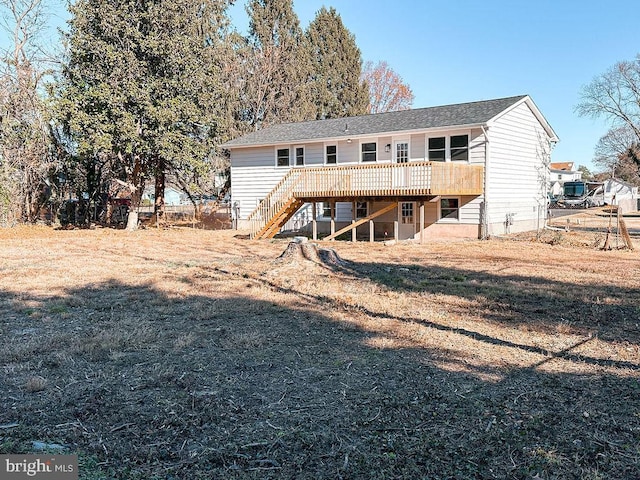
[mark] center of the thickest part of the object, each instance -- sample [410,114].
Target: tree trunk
[137,185]
[132,220]
[159,205]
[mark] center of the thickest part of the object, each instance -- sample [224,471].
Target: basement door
[406,220]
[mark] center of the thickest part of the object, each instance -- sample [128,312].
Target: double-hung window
[437,149]
[282,157]
[331,155]
[369,151]
[299,156]
[443,149]
[459,148]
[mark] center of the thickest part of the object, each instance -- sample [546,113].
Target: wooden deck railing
[379,180]
[391,179]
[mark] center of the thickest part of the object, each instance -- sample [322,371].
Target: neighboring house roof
[620,182]
[458,115]
[566,172]
[568,166]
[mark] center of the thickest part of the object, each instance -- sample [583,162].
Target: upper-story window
[299,156]
[282,157]
[331,157]
[459,148]
[437,149]
[369,150]
[454,148]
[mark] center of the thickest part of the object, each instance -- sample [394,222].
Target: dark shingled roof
[474,113]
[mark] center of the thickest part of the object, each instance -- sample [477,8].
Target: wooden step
[274,224]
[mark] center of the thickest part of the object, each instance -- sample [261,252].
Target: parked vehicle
[582,195]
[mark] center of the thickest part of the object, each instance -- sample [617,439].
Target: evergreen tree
[276,65]
[186,50]
[338,90]
[101,98]
[141,87]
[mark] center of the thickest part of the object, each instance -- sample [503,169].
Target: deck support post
[395,230]
[354,207]
[371,228]
[332,207]
[422,232]
[314,222]
[356,223]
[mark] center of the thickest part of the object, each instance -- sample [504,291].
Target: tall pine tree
[338,90]
[276,65]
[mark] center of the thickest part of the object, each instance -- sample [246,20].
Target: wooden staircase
[277,208]
[273,226]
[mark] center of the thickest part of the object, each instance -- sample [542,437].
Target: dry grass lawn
[192,354]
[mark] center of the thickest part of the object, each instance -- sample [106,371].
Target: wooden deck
[391,180]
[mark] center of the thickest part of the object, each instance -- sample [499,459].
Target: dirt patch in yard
[182,353]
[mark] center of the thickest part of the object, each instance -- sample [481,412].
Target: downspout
[484,234]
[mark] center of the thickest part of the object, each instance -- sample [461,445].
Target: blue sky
[453,51]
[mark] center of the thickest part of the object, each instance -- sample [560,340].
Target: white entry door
[401,156]
[401,152]
[406,220]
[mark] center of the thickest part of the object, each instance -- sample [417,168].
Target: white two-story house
[468,170]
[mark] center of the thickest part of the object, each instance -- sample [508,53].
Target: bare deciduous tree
[387,91]
[613,145]
[615,95]
[24,132]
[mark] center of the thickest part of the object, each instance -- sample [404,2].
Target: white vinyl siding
[417,147]
[253,176]
[477,146]
[516,181]
[385,156]
[314,154]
